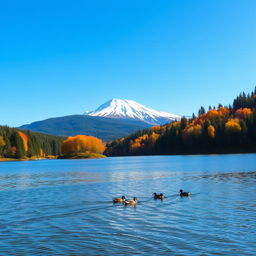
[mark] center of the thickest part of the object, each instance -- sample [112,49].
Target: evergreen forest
[222,129]
[19,144]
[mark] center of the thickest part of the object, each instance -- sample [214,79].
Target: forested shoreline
[222,129]
[20,144]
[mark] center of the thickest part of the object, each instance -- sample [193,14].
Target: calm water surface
[64,207]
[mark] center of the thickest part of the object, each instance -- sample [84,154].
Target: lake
[64,207]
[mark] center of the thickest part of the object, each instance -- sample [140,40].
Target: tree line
[19,144]
[222,129]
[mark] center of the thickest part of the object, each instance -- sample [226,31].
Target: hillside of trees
[19,144]
[225,129]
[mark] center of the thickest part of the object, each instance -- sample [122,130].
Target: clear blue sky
[64,57]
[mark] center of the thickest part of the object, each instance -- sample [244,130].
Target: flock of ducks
[134,201]
[125,201]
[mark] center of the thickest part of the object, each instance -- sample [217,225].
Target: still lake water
[64,207]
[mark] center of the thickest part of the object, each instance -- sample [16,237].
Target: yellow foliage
[232,126]
[211,131]
[194,130]
[82,143]
[2,141]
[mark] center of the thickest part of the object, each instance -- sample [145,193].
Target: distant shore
[24,159]
[8,159]
[86,155]
[74,156]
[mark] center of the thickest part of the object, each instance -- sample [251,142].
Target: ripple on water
[65,207]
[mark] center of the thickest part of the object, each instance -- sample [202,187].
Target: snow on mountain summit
[129,109]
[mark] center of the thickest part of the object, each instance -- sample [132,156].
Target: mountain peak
[130,109]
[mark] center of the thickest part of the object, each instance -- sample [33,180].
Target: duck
[158,196]
[182,193]
[131,202]
[119,200]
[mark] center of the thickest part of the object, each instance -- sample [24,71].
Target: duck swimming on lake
[119,200]
[182,193]
[158,196]
[131,202]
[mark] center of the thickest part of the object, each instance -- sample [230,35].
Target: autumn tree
[2,144]
[233,126]
[19,146]
[24,138]
[243,113]
[81,144]
[211,131]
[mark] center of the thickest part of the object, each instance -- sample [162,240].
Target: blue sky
[64,57]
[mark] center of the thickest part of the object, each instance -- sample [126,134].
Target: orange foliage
[156,128]
[24,138]
[211,131]
[51,157]
[223,111]
[144,137]
[175,124]
[139,142]
[135,145]
[143,140]
[203,116]
[194,130]
[243,112]
[211,114]
[232,126]
[199,120]
[82,143]
[153,137]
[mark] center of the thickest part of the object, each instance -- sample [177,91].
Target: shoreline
[28,159]
[8,160]
[70,158]
[93,156]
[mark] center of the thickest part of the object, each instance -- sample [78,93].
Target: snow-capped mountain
[129,109]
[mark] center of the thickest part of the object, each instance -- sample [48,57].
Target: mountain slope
[104,128]
[129,109]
